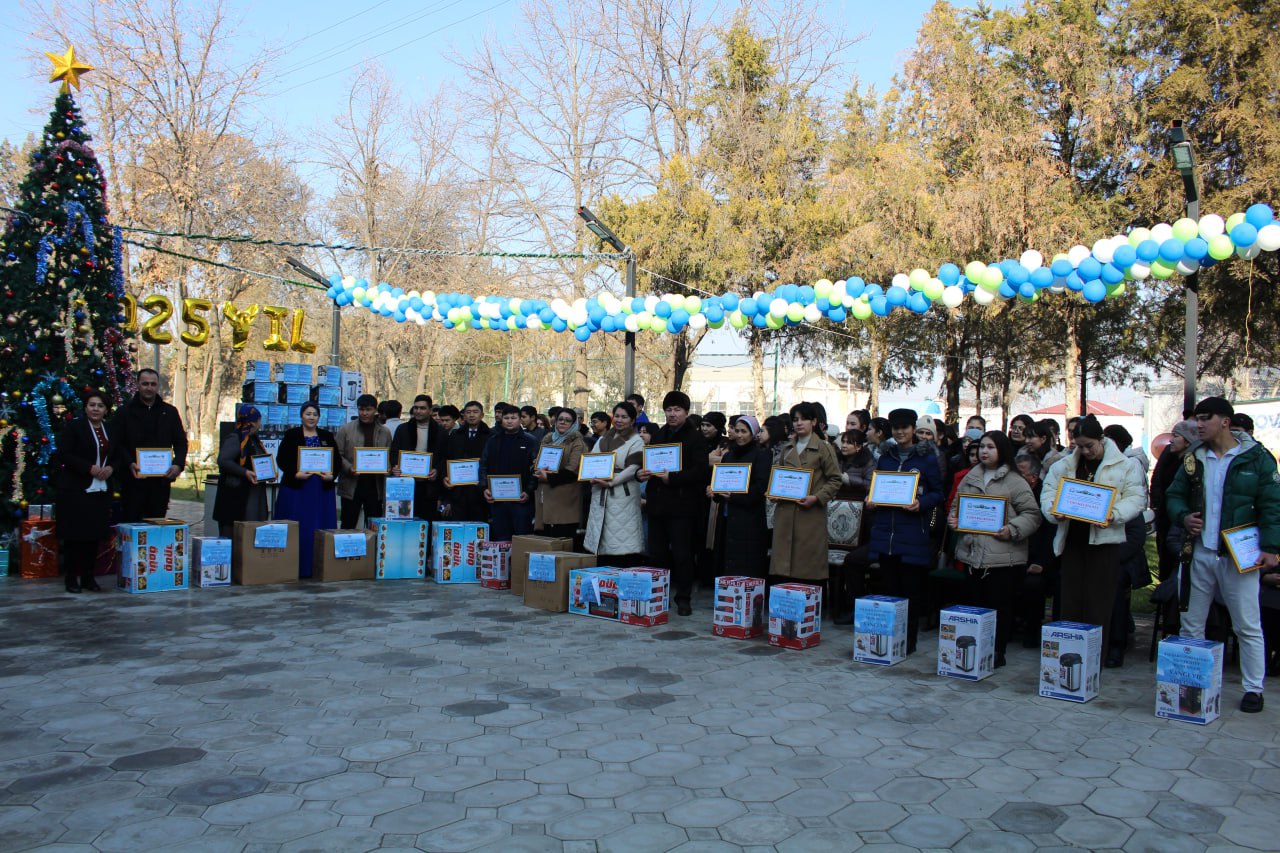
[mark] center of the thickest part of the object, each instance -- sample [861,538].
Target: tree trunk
[877,363]
[953,362]
[1006,381]
[1073,392]
[757,371]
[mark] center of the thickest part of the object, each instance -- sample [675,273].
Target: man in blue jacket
[900,534]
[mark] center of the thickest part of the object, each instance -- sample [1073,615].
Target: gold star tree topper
[67,69]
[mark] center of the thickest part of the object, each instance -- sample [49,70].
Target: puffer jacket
[1021,514]
[1250,493]
[1115,471]
[896,531]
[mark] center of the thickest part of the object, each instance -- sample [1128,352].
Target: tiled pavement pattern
[402,715]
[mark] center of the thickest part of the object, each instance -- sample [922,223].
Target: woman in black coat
[743,538]
[85,465]
[240,497]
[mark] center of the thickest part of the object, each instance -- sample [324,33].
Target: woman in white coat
[1091,552]
[615,529]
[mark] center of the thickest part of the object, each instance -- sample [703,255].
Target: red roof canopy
[1094,407]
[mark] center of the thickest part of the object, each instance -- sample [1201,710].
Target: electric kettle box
[1189,680]
[401,548]
[594,592]
[523,546]
[455,551]
[739,607]
[547,587]
[966,642]
[210,561]
[880,630]
[344,555]
[1070,660]
[644,596]
[495,564]
[795,615]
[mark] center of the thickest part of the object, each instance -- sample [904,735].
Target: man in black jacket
[148,422]
[511,452]
[466,503]
[421,434]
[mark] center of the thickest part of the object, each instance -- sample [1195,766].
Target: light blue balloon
[1017,274]
[1006,290]
[1258,215]
[1061,268]
[1041,277]
[559,325]
[805,294]
[1094,291]
[837,315]
[918,302]
[871,291]
[729,302]
[582,333]
[748,306]
[760,321]
[855,286]
[1125,256]
[608,325]
[663,310]
[1148,250]
[948,274]
[1076,283]
[1172,250]
[1244,234]
[1196,249]
[880,305]
[1089,268]
[1112,274]
[1027,290]
[896,295]
[680,316]
[714,313]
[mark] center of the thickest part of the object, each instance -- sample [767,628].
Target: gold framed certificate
[893,488]
[505,488]
[789,484]
[153,461]
[264,468]
[315,460]
[980,514]
[1244,544]
[549,458]
[372,460]
[596,466]
[464,472]
[1084,501]
[415,464]
[730,478]
[663,458]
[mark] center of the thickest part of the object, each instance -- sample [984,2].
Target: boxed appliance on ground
[739,607]
[880,630]
[523,546]
[594,592]
[644,596]
[398,501]
[495,565]
[265,552]
[1070,660]
[402,548]
[1189,680]
[210,561]
[455,551]
[795,615]
[153,557]
[966,642]
[343,555]
[547,586]
[38,549]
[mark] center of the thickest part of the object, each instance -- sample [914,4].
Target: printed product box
[210,561]
[455,551]
[264,552]
[4,561]
[1070,660]
[153,557]
[795,615]
[966,642]
[335,417]
[329,374]
[594,592]
[1189,680]
[327,395]
[547,586]
[398,501]
[294,372]
[644,596]
[495,564]
[258,391]
[293,394]
[257,370]
[37,549]
[739,607]
[402,548]
[343,555]
[880,630]
[523,546]
[352,388]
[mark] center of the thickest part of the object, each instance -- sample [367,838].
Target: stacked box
[210,561]
[402,548]
[644,596]
[329,374]
[40,512]
[739,607]
[398,498]
[327,395]
[966,642]
[1189,680]
[264,552]
[795,615]
[455,551]
[1070,660]
[352,387]
[523,546]
[38,549]
[343,555]
[593,592]
[259,371]
[294,372]
[547,586]
[258,391]
[293,394]
[153,557]
[4,561]
[335,417]
[880,630]
[495,565]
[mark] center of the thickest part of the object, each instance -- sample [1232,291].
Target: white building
[731,389]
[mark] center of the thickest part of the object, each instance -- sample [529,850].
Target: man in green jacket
[1228,481]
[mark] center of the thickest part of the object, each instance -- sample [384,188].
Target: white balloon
[1140,270]
[631,323]
[697,321]
[1031,259]
[1076,254]
[1211,225]
[986,297]
[847,301]
[1161,232]
[838,293]
[1248,253]
[812,314]
[778,308]
[952,296]
[560,307]
[535,323]
[651,302]
[902,280]
[1187,266]
[1269,238]
[1104,251]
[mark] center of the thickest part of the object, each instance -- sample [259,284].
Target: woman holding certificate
[557,497]
[995,512]
[738,484]
[86,462]
[306,459]
[240,496]
[615,527]
[800,516]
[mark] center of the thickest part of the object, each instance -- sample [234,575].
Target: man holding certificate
[510,452]
[417,436]
[148,432]
[800,517]
[361,490]
[1227,496]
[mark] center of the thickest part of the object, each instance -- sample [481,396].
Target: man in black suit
[148,422]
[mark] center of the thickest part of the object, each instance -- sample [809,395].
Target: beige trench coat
[561,503]
[800,535]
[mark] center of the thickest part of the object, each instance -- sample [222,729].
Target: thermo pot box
[210,561]
[1070,660]
[966,642]
[880,630]
[739,609]
[594,592]
[1189,680]
[795,615]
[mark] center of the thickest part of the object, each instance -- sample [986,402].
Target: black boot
[90,584]
[73,584]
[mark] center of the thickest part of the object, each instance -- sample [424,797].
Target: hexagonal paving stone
[1094,831]
[869,817]
[1186,817]
[911,789]
[611,783]
[450,779]
[1120,802]
[562,770]
[155,758]
[339,786]
[643,838]
[807,766]
[1162,841]
[592,823]
[304,769]
[929,831]
[1028,818]
[542,808]
[290,827]
[652,799]
[378,801]
[812,803]
[150,834]
[474,708]
[1251,830]
[220,790]
[705,811]
[419,818]
[986,841]
[465,835]
[252,808]
[1061,791]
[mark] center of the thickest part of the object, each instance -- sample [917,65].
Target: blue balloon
[729,301]
[521,321]
[747,306]
[399,291]
[1171,250]
[448,324]
[714,313]
[759,321]
[805,294]
[400,317]
[1006,290]
[608,325]
[1017,274]
[637,305]
[948,274]
[1075,282]
[824,305]
[680,316]
[872,291]
[1208,261]
[1112,274]
[504,309]
[1089,268]
[855,286]
[663,309]
[896,296]
[1125,256]
[547,316]
[1258,215]
[475,312]
[417,304]
[582,333]
[880,305]
[918,302]
[1061,268]
[528,306]
[1094,291]
[559,325]
[464,299]
[1196,249]
[1244,234]
[1027,290]
[787,292]
[837,315]
[595,313]
[1041,277]
[1148,250]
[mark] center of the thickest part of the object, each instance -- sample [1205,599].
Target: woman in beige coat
[800,527]
[557,501]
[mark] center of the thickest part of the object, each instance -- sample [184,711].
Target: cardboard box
[154,557]
[259,370]
[326,395]
[523,546]
[40,512]
[594,592]
[344,555]
[1070,660]
[880,630]
[294,372]
[258,558]
[552,594]
[495,564]
[329,374]
[401,548]
[38,549]
[294,394]
[644,596]
[398,500]
[4,561]
[739,607]
[1189,680]
[966,642]
[259,391]
[210,561]
[795,615]
[455,551]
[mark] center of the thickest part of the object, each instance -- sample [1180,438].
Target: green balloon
[1221,247]
[774,322]
[933,289]
[861,310]
[1137,235]
[1161,272]
[716,324]
[992,278]
[795,312]
[1116,289]
[738,320]
[974,270]
[1233,220]
[1034,297]
[1184,229]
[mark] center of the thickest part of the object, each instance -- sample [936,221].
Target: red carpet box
[401,548]
[455,551]
[153,557]
[495,565]
[1189,680]
[644,596]
[739,607]
[594,592]
[264,552]
[547,587]
[1070,660]
[343,555]
[966,642]
[795,615]
[523,546]
[880,630]
[210,561]
[37,549]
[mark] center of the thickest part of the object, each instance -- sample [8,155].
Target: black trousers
[671,545]
[560,531]
[146,498]
[903,580]
[997,589]
[78,558]
[366,498]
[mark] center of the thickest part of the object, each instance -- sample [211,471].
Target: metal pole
[155,349]
[1192,324]
[335,336]
[629,345]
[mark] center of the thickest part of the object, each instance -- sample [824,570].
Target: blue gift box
[257,371]
[294,372]
[401,548]
[329,374]
[259,391]
[296,394]
[328,395]
[153,557]
[455,551]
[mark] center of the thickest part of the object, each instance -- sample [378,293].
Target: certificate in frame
[310,460]
[1082,499]
[372,460]
[264,468]
[982,514]
[153,461]
[731,478]
[505,489]
[464,472]
[596,466]
[663,458]
[893,488]
[1244,544]
[789,484]
[549,458]
[416,464]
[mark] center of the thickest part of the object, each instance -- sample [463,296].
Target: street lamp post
[335,333]
[598,228]
[1184,160]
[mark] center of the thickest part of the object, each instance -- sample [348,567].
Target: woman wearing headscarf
[86,463]
[742,536]
[306,498]
[558,495]
[614,524]
[240,496]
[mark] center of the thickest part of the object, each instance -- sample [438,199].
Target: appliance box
[401,550]
[495,565]
[252,564]
[880,630]
[644,596]
[455,551]
[1070,661]
[153,557]
[594,592]
[795,615]
[966,642]
[210,561]
[1189,680]
[739,607]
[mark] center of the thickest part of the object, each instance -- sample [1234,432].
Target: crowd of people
[1212,477]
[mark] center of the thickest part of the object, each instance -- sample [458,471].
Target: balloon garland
[1096,273]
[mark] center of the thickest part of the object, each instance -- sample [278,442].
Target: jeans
[1214,574]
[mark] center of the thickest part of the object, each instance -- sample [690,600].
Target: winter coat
[1250,493]
[287,456]
[350,436]
[799,534]
[138,425]
[238,499]
[896,532]
[1115,471]
[84,516]
[405,440]
[559,499]
[746,535]
[855,472]
[1021,513]
[509,454]
[614,523]
[466,503]
[684,492]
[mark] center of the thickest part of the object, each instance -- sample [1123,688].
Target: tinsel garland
[20,460]
[115,356]
[75,210]
[41,406]
[43,251]
[117,261]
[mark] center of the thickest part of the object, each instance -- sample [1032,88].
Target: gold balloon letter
[192,310]
[240,323]
[275,342]
[296,342]
[130,305]
[161,309]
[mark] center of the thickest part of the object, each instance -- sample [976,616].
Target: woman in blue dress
[306,498]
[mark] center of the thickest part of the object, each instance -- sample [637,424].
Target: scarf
[558,438]
[614,438]
[244,428]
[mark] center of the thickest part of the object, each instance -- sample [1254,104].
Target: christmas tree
[61,285]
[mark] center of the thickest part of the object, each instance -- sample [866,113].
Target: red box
[795,615]
[38,552]
[739,607]
[494,559]
[652,610]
